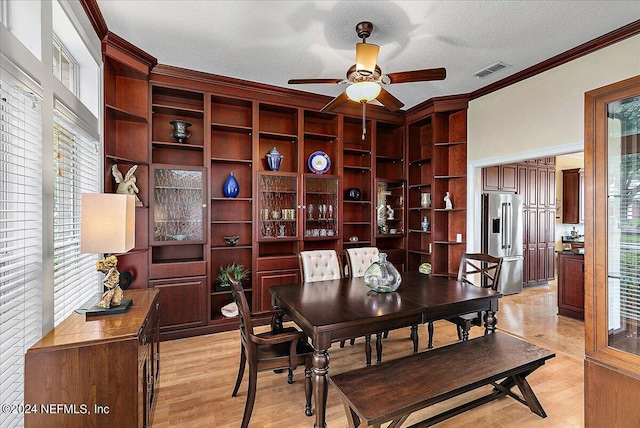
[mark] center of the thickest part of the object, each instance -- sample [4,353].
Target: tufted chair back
[319,265]
[359,259]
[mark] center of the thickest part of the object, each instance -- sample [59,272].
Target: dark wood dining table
[329,311]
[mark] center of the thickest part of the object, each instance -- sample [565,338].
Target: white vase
[425,200]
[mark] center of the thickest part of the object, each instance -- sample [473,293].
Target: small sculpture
[126,185]
[390,212]
[447,201]
[111,281]
[382,214]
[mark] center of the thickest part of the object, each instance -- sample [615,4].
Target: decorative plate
[319,162]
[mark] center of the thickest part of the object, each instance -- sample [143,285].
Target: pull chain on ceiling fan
[365,78]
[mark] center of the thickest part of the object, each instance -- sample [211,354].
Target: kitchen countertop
[574,252]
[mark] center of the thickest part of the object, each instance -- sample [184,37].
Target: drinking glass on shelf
[310,209]
[330,211]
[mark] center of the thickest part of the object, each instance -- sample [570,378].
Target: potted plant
[238,272]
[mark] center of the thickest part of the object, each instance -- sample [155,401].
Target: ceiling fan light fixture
[366,58]
[363,91]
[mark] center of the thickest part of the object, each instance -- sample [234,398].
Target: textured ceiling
[274,41]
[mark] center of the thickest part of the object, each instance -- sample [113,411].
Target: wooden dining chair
[287,348]
[323,265]
[477,269]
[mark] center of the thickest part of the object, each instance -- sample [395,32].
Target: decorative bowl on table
[231,240]
[382,276]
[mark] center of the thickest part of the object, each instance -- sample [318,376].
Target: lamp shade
[108,223]
[366,58]
[363,91]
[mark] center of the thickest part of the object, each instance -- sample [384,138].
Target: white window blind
[77,171]
[20,238]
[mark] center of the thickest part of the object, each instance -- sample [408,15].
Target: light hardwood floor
[197,375]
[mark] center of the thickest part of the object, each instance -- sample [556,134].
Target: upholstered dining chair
[359,259]
[481,270]
[268,351]
[322,265]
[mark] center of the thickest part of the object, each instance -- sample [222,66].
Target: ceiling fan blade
[334,103]
[390,102]
[418,75]
[305,81]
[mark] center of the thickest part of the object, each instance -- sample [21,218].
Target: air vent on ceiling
[493,68]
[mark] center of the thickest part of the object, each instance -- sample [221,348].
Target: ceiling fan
[364,78]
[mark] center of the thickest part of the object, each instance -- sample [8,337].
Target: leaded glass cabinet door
[178,205]
[612,254]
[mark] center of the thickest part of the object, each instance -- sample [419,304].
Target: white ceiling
[274,41]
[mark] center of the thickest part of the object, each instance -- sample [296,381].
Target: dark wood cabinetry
[571,285]
[126,130]
[535,180]
[573,196]
[233,125]
[437,150]
[500,178]
[109,364]
[390,192]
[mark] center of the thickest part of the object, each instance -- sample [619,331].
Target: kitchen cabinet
[535,180]
[571,284]
[573,196]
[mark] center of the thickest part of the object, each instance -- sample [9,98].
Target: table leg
[414,337]
[490,322]
[320,385]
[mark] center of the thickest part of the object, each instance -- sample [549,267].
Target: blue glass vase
[231,187]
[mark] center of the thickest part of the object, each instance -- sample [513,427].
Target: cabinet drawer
[181,269]
[277,263]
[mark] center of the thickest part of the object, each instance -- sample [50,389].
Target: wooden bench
[391,391]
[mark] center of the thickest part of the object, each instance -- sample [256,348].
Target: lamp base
[89,309]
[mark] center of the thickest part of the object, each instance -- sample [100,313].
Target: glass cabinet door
[321,203]
[278,206]
[390,208]
[178,205]
[623,223]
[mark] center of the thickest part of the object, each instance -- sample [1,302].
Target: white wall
[537,117]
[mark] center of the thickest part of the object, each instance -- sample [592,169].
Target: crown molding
[591,46]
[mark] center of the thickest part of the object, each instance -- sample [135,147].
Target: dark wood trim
[603,41]
[263,92]
[131,50]
[95,16]
[437,104]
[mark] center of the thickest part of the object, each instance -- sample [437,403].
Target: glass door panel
[178,204]
[278,206]
[321,202]
[623,184]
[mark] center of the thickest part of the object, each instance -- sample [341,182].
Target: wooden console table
[100,371]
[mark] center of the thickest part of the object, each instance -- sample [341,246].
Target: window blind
[20,237]
[77,171]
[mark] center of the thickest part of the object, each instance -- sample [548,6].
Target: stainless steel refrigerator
[502,236]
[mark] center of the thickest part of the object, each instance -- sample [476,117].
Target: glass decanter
[382,276]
